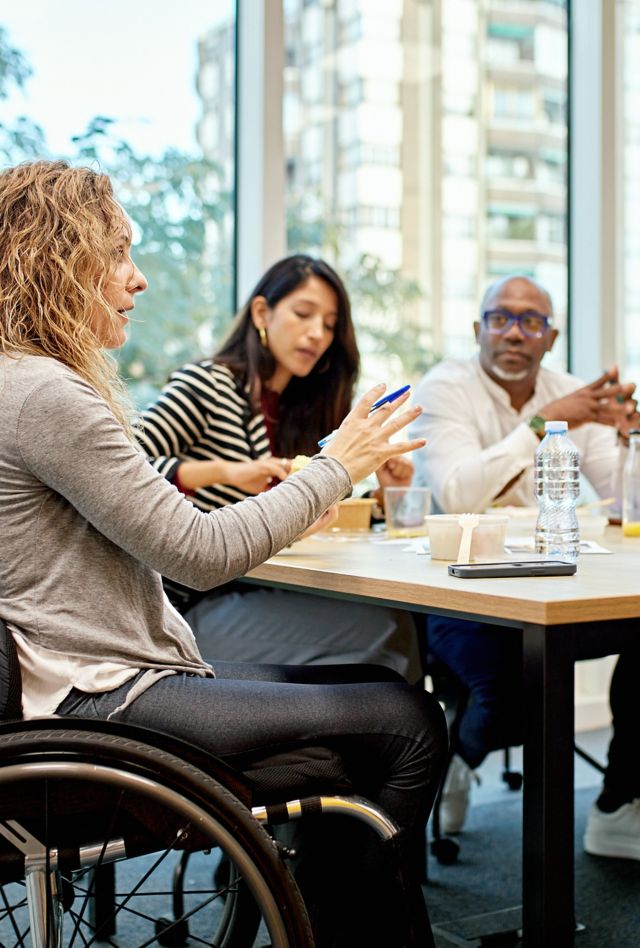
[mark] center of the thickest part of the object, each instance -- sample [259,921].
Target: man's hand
[606,401]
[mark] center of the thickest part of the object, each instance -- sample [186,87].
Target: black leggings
[390,736]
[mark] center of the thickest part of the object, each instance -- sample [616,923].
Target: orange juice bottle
[631,488]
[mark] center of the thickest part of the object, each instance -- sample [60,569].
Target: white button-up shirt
[477,442]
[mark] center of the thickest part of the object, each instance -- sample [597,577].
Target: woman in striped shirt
[225,428]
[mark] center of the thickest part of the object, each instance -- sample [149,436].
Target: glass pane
[427,155]
[630,355]
[146,92]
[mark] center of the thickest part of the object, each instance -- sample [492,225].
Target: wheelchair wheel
[73,800]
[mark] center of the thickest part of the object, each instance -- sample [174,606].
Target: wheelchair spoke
[187,915]
[77,929]
[122,906]
[21,942]
[103,939]
[9,913]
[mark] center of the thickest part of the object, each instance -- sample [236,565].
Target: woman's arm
[249,476]
[178,419]
[111,485]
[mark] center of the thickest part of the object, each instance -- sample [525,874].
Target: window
[513,103]
[450,165]
[510,43]
[515,223]
[509,164]
[160,121]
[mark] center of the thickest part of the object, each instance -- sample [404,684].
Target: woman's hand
[396,472]
[362,444]
[252,477]
[325,520]
[255,476]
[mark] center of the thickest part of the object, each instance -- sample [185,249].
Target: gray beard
[509,376]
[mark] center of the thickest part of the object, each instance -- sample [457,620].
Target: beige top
[87,527]
[48,677]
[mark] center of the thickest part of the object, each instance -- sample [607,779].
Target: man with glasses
[483,419]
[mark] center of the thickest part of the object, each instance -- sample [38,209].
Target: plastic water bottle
[557,486]
[631,488]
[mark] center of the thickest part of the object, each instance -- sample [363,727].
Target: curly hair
[57,228]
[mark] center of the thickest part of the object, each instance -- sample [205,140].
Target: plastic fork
[468,522]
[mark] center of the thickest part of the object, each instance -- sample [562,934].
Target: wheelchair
[78,797]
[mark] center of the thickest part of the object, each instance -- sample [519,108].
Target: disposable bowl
[591,525]
[487,540]
[354,514]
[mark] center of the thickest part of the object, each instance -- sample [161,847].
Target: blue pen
[391,397]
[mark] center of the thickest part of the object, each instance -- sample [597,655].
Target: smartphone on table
[513,568]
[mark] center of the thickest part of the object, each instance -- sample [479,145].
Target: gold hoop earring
[262,332]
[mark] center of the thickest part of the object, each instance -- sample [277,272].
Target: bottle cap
[556,427]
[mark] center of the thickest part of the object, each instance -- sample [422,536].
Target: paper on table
[419,545]
[414,545]
[527,545]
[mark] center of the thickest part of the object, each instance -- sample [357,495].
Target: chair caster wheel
[171,933]
[446,851]
[512,779]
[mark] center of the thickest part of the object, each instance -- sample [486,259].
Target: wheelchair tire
[89,797]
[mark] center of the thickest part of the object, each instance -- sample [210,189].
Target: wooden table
[562,617]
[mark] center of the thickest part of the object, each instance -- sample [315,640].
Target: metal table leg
[548,817]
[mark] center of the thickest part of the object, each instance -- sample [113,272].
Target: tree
[24,139]
[180,211]
[382,300]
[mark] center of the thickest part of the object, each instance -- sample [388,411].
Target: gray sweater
[87,526]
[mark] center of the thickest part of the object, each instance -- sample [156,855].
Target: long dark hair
[312,406]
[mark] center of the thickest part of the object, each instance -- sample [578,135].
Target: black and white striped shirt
[203,414]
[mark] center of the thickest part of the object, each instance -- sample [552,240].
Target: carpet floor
[487,878]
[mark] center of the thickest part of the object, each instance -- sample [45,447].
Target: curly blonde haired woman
[88,526]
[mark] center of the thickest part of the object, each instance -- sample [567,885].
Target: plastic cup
[406,510]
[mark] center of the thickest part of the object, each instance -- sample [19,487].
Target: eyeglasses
[530,323]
